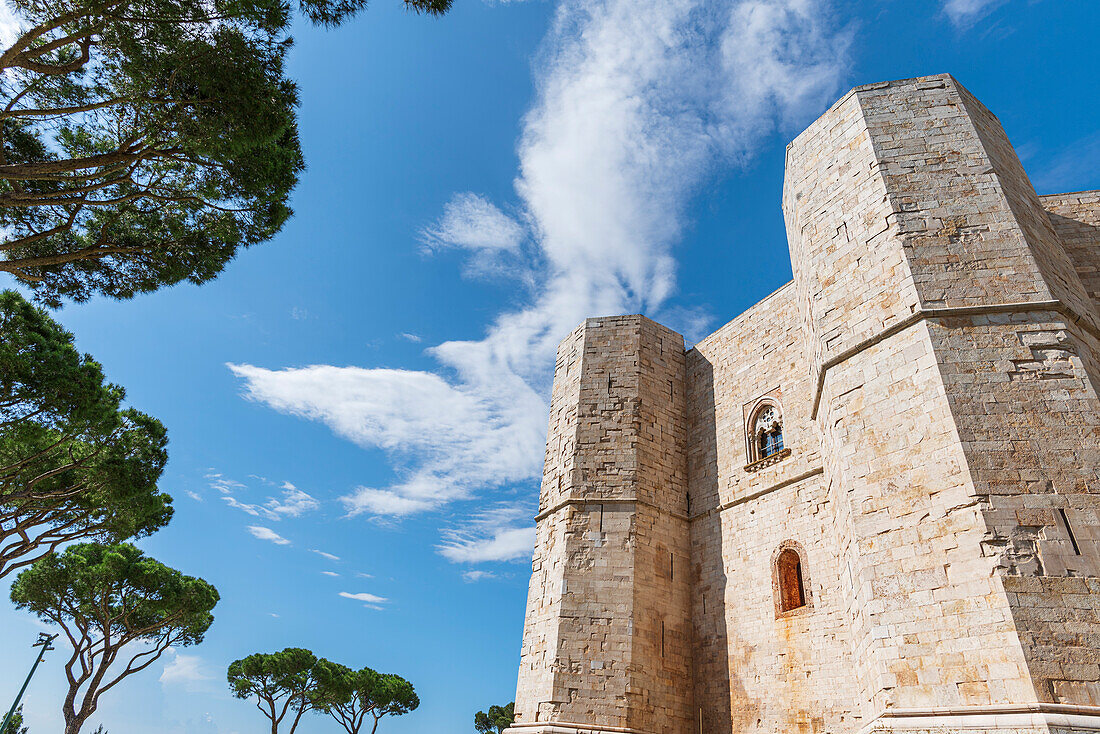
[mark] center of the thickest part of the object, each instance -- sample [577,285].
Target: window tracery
[765,436]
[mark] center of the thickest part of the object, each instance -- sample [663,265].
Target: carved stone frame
[750,411]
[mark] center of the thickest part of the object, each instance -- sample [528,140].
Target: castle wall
[936,360]
[1076,219]
[931,623]
[607,636]
[1023,403]
[755,669]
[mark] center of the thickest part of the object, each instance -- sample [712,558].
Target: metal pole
[44,641]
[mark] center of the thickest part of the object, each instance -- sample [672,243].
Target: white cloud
[507,544]
[183,669]
[294,503]
[965,13]
[471,577]
[321,553]
[500,533]
[386,502]
[233,502]
[473,222]
[414,338]
[639,102]
[10,29]
[330,573]
[195,496]
[464,437]
[223,484]
[372,601]
[267,534]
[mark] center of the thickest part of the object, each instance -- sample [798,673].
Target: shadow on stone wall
[714,686]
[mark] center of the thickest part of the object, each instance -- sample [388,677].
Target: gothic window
[765,437]
[789,579]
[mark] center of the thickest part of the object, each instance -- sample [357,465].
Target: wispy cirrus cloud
[506,544]
[293,503]
[472,222]
[268,534]
[639,103]
[188,671]
[502,533]
[456,438]
[183,668]
[223,484]
[370,601]
[10,26]
[965,13]
[321,553]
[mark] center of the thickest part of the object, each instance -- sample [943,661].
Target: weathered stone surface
[935,362]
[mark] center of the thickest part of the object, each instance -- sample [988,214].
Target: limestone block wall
[757,671]
[607,635]
[1028,419]
[1023,403]
[1076,220]
[930,622]
[849,286]
[936,360]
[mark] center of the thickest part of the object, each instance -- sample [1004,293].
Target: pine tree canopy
[74,463]
[144,142]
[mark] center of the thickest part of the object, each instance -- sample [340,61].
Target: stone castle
[869,503]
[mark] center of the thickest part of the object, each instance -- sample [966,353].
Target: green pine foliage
[497,720]
[282,683]
[351,696]
[15,725]
[75,464]
[287,684]
[145,142]
[119,610]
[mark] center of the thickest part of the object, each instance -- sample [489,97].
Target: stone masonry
[934,370]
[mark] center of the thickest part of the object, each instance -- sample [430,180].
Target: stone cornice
[607,501]
[566,727]
[946,312]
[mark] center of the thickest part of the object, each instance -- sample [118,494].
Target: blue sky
[357,408]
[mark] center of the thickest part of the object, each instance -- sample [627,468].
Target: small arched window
[788,569]
[790,579]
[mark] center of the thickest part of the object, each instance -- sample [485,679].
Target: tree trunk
[72,722]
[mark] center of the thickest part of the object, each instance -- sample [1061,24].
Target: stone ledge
[1038,716]
[565,727]
[775,458]
[942,312]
